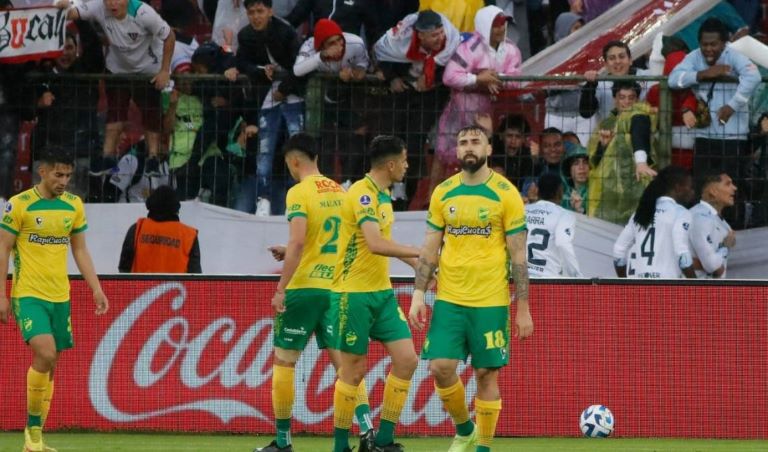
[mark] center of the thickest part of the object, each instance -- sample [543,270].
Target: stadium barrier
[670,359]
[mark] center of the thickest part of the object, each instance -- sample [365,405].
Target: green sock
[483,449]
[340,439]
[465,429]
[283,432]
[363,415]
[386,433]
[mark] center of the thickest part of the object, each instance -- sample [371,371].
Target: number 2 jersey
[550,240]
[660,250]
[319,200]
[475,220]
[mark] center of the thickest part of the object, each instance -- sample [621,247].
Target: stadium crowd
[246,75]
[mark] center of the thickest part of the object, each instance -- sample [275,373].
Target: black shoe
[367,441]
[391,447]
[151,167]
[272,447]
[103,166]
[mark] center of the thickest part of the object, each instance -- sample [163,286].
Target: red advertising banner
[194,355]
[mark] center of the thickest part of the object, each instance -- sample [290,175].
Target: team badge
[350,338]
[568,232]
[39,221]
[503,185]
[451,210]
[133,36]
[365,200]
[483,213]
[686,226]
[67,223]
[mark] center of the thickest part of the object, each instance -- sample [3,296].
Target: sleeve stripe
[82,228]
[296,214]
[434,226]
[9,229]
[367,218]
[516,230]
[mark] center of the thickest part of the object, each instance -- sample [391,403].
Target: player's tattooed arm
[520,277]
[425,270]
[516,246]
[428,260]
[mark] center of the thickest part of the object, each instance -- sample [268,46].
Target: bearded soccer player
[362,291]
[39,225]
[302,298]
[478,219]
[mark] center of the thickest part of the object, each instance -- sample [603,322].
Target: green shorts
[368,315]
[456,332]
[35,316]
[306,312]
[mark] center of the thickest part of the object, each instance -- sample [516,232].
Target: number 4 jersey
[319,200]
[660,250]
[550,240]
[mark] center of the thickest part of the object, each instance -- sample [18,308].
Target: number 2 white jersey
[708,230]
[550,240]
[656,252]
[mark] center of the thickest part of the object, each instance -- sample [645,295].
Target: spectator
[576,178]
[722,146]
[268,44]
[594,8]
[551,230]
[552,152]
[161,243]
[566,24]
[620,155]
[655,243]
[512,156]
[351,15]
[183,119]
[518,34]
[596,97]
[148,54]
[711,236]
[759,172]
[473,74]
[332,51]
[179,16]
[684,106]
[230,18]
[725,12]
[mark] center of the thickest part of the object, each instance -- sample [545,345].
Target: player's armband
[686,260]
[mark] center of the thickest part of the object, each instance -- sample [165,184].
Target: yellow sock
[487,414]
[395,395]
[454,401]
[282,391]
[47,396]
[37,385]
[344,401]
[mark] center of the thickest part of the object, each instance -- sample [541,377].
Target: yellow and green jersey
[319,200]
[43,228]
[357,268]
[475,220]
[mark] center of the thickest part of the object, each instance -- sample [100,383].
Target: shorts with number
[457,331]
[35,317]
[368,315]
[306,312]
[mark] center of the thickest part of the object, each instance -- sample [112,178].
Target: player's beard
[472,167]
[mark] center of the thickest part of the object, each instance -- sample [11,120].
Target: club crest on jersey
[451,211]
[483,213]
[67,223]
[568,232]
[365,200]
[686,226]
[133,36]
[39,221]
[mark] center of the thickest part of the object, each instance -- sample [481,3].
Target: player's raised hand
[5,309]
[523,324]
[278,252]
[102,303]
[417,315]
[278,301]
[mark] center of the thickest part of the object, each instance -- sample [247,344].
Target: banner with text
[195,355]
[31,34]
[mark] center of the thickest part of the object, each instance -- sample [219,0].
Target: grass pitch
[129,442]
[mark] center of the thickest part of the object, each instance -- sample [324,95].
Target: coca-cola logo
[158,359]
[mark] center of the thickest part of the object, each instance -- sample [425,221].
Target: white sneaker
[464,443]
[263,208]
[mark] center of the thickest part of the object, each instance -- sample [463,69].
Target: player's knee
[353,372]
[286,358]
[486,378]
[46,357]
[441,372]
[406,364]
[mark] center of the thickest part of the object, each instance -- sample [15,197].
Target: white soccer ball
[596,421]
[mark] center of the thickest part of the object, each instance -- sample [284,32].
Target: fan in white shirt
[550,232]
[711,236]
[655,242]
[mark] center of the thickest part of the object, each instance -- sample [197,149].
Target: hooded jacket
[467,99]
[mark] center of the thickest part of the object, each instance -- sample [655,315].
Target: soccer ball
[596,421]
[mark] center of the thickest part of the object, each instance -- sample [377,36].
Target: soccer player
[550,232]
[477,217]
[656,237]
[711,236]
[362,292]
[39,225]
[302,297]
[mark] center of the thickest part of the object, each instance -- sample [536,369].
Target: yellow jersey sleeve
[365,204]
[435,218]
[80,223]
[12,216]
[513,215]
[296,202]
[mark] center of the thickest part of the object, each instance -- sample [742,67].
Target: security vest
[162,246]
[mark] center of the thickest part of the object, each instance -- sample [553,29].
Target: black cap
[163,201]
[428,20]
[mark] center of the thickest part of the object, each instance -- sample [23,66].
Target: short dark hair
[384,147]
[622,85]
[163,201]
[708,178]
[517,122]
[471,128]
[616,43]
[53,155]
[248,3]
[549,185]
[714,25]
[551,131]
[301,142]
[571,135]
